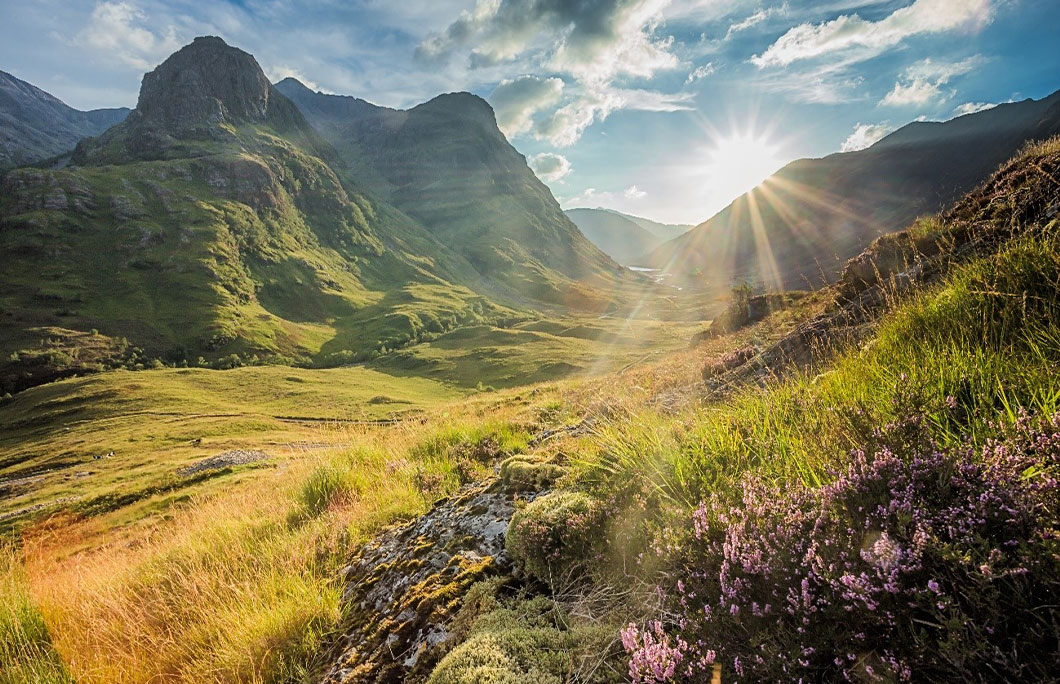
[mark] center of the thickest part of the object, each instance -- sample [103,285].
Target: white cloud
[864,135]
[564,127]
[849,32]
[595,41]
[515,101]
[590,43]
[591,197]
[282,71]
[942,71]
[923,81]
[550,167]
[700,72]
[973,107]
[828,83]
[754,20]
[117,31]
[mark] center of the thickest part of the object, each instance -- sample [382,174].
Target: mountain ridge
[447,164]
[800,225]
[210,228]
[36,125]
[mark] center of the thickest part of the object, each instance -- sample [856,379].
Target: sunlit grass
[986,340]
[26,652]
[242,586]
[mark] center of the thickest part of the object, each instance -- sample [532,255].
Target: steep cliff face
[208,82]
[194,103]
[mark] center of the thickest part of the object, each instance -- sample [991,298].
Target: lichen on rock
[404,587]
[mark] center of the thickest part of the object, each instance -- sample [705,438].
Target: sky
[667,109]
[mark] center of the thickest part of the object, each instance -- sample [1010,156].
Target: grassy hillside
[446,164]
[864,518]
[176,238]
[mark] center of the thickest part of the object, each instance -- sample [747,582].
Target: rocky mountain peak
[460,105]
[205,82]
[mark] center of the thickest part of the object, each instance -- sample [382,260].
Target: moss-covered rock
[526,472]
[521,638]
[404,588]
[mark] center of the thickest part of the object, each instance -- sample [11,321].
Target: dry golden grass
[243,585]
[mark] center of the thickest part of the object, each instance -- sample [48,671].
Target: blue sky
[662,108]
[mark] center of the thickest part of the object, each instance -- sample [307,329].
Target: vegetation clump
[511,637]
[556,536]
[525,472]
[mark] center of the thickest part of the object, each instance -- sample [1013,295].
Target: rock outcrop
[404,586]
[198,95]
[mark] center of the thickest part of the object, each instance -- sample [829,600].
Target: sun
[739,161]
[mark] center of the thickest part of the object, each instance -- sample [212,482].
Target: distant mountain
[209,224]
[626,239]
[35,125]
[446,164]
[801,224]
[665,231]
[617,236]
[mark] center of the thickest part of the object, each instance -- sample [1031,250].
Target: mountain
[35,125]
[802,223]
[665,231]
[617,236]
[446,164]
[626,239]
[210,225]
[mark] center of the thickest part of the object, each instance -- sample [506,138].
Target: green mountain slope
[35,125]
[446,164]
[208,224]
[801,224]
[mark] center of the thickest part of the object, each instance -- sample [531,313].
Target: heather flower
[652,656]
[866,566]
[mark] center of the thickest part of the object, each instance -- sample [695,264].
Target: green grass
[538,351]
[240,584]
[158,421]
[988,337]
[26,651]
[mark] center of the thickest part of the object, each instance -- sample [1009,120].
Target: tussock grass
[240,586]
[986,338]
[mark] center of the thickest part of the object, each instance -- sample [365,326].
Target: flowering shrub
[915,563]
[555,536]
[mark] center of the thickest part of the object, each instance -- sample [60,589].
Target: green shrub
[557,536]
[519,640]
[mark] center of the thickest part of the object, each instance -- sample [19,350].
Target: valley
[296,387]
